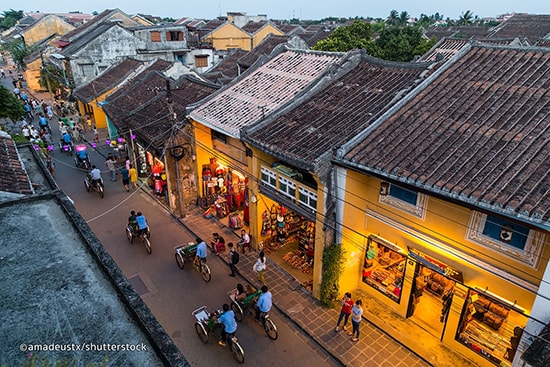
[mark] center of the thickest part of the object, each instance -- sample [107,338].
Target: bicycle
[186,253]
[206,323]
[131,233]
[240,307]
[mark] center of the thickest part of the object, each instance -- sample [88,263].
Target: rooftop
[477,133]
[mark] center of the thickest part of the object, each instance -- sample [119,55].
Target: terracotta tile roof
[335,113]
[264,48]
[465,32]
[90,24]
[263,90]
[528,26]
[136,92]
[479,133]
[13,177]
[151,121]
[445,48]
[227,70]
[108,80]
[313,37]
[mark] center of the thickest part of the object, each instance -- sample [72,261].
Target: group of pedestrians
[349,308]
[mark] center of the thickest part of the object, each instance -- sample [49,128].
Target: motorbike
[83,163]
[206,324]
[65,147]
[98,187]
[132,233]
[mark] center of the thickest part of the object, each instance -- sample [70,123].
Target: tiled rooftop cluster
[479,133]
[13,177]
[263,90]
[340,111]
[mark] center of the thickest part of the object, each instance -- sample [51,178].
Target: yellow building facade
[228,36]
[438,264]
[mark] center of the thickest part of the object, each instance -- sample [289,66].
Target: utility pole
[173,119]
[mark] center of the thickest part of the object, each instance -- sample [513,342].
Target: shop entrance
[430,300]
[288,239]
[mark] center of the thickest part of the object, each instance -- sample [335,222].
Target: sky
[286,9]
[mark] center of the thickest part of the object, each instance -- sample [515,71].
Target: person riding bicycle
[227,319]
[95,176]
[132,221]
[201,252]
[265,301]
[141,223]
[43,122]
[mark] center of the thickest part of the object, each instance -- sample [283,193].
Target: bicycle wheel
[237,351]
[147,244]
[205,272]
[100,190]
[180,260]
[237,310]
[271,329]
[201,332]
[129,236]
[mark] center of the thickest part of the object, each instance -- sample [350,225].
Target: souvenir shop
[224,194]
[287,236]
[152,169]
[485,323]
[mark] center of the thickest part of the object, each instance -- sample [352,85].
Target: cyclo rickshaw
[241,306]
[206,323]
[186,254]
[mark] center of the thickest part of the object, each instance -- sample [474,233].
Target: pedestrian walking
[3,72]
[110,163]
[232,259]
[133,176]
[347,304]
[260,266]
[50,166]
[356,315]
[89,123]
[125,174]
[96,135]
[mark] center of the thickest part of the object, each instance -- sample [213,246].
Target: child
[96,135]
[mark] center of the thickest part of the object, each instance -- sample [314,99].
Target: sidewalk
[375,347]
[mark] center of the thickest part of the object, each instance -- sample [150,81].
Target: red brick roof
[13,177]
[478,133]
[525,26]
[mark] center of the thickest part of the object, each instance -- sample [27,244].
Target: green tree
[465,18]
[10,106]
[51,77]
[404,18]
[393,18]
[345,38]
[18,50]
[401,44]
[10,18]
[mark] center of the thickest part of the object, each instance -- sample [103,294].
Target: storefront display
[222,187]
[491,327]
[384,267]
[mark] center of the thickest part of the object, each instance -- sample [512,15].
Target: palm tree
[404,18]
[393,19]
[466,18]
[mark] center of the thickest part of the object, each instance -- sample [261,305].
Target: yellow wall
[44,28]
[229,36]
[100,118]
[32,75]
[444,223]
[263,33]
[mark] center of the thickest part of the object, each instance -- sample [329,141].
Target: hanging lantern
[93,144]
[132,136]
[50,148]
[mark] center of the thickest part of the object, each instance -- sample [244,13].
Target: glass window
[505,231]
[308,198]
[403,199]
[287,188]
[269,177]
[384,268]
[401,193]
[491,327]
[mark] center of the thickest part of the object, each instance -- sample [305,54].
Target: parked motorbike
[96,186]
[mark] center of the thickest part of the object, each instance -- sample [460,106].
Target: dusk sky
[286,9]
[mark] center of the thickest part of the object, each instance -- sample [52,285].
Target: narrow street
[171,293]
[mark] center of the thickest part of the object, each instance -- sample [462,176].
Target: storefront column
[540,316]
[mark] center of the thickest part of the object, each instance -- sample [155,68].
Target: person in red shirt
[347,304]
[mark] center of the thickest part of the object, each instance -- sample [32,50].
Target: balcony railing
[296,191]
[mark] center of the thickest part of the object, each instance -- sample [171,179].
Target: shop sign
[436,265]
